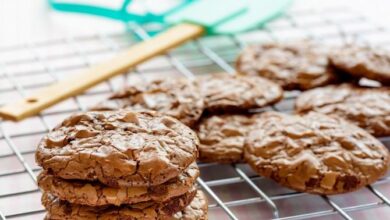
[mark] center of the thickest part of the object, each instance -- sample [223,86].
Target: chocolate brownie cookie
[222,137]
[96,194]
[196,210]
[224,93]
[62,210]
[315,153]
[363,62]
[369,108]
[179,98]
[300,65]
[118,148]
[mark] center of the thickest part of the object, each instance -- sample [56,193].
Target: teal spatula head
[228,16]
[119,10]
[216,16]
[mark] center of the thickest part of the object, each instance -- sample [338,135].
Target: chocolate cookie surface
[96,194]
[222,137]
[196,210]
[363,62]
[179,98]
[62,210]
[300,65]
[224,93]
[315,153]
[118,148]
[369,108]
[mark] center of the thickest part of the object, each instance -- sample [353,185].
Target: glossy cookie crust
[118,148]
[234,93]
[294,66]
[96,194]
[196,210]
[315,153]
[62,210]
[179,98]
[368,108]
[222,137]
[358,61]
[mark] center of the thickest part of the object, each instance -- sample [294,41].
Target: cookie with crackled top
[293,65]
[222,137]
[362,61]
[315,153]
[96,194]
[179,98]
[196,210]
[118,148]
[234,93]
[60,210]
[368,108]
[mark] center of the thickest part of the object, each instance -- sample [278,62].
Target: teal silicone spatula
[188,22]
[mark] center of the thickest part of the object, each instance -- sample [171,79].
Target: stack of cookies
[120,165]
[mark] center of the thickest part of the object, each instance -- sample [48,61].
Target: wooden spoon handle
[50,95]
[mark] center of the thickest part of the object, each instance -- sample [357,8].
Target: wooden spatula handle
[77,84]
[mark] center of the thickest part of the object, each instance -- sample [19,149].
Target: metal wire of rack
[236,193]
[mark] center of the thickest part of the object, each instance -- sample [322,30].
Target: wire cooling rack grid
[236,192]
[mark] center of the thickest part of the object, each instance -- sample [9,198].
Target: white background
[29,20]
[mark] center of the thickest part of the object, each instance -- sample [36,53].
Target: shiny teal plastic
[216,16]
[118,14]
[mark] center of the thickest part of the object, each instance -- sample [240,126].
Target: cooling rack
[234,191]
